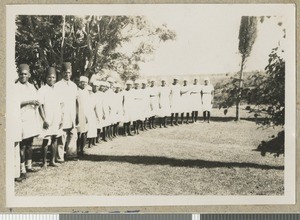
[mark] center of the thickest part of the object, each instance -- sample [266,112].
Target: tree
[90,43]
[247,36]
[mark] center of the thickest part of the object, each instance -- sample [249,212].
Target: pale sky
[207,43]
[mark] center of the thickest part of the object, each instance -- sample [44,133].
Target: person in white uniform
[110,94]
[146,103]
[30,117]
[175,101]
[207,99]
[106,111]
[138,107]
[153,90]
[185,101]
[52,126]
[164,103]
[92,114]
[128,106]
[196,100]
[83,122]
[99,97]
[69,94]
[118,104]
[17,131]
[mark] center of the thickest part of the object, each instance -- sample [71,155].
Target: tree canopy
[90,43]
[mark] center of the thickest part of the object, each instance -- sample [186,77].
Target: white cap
[137,81]
[110,79]
[107,84]
[206,79]
[83,79]
[144,81]
[176,77]
[117,85]
[96,83]
[163,79]
[152,80]
[129,82]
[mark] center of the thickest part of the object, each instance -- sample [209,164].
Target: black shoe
[60,161]
[31,170]
[165,126]
[53,165]
[130,134]
[105,140]
[18,179]
[23,176]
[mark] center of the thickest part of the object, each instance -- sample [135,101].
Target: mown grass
[194,159]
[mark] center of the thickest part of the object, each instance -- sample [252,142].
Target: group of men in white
[68,116]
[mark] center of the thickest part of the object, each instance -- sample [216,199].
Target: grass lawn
[194,159]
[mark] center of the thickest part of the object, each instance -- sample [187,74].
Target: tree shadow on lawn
[228,119]
[157,160]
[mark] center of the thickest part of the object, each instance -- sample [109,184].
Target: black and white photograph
[180,104]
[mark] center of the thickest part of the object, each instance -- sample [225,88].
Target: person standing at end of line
[164,103]
[175,101]
[207,99]
[153,90]
[196,100]
[31,126]
[69,94]
[52,126]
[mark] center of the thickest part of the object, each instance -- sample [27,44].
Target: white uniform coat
[91,115]
[49,97]
[196,97]
[83,101]
[175,98]
[164,101]
[186,102]
[98,97]
[146,102]
[153,91]
[138,110]
[129,105]
[31,121]
[68,92]
[207,97]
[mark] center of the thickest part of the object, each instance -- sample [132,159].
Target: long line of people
[68,116]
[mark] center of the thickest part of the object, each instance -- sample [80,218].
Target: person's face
[77,81]
[51,79]
[136,85]
[175,81]
[67,75]
[184,82]
[117,89]
[163,83]
[143,86]
[206,82]
[111,85]
[24,76]
[195,81]
[83,84]
[95,88]
[152,83]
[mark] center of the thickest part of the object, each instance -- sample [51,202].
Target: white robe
[207,97]
[31,121]
[175,98]
[99,97]
[68,92]
[138,110]
[50,98]
[128,105]
[91,115]
[186,102]
[153,91]
[118,107]
[164,101]
[196,97]
[83,102]
[146,102]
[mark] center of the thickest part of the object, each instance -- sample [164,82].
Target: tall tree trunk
[239,94]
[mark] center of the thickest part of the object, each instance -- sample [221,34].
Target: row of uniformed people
[65,116]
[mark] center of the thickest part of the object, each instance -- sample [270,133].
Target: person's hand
[86,120]
[45,125]
[60,124]
[76,121]
[35,102]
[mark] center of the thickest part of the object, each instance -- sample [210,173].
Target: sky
[207,43]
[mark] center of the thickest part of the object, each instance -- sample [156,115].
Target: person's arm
[30,102]
[62,115]
[42,114]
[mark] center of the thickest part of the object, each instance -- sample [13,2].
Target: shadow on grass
[156,160]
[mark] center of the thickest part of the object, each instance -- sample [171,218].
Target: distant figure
[146,103]
[186,104]
[175,101]
[207,98]
[164,103]
[153,90]
[196,100]
[128,107]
